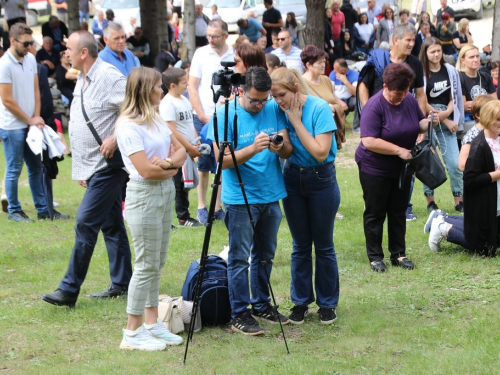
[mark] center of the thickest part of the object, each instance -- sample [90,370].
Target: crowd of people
[141,136]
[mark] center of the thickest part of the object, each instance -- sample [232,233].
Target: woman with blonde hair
[479,230]
[474,81]
[151,155]
[462,36]
[313,195]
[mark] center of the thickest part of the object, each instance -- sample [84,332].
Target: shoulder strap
[89,123]
[309,84]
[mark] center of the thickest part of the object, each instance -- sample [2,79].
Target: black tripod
[223,145]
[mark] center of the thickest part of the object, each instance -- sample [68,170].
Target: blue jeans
[100,210]
[16,150]
[449,150]
[83,16]
[310,207]
[267,218]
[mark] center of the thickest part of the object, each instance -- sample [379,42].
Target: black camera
[276,138]
[227,77]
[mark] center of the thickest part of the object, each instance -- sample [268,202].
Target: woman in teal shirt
[313,195]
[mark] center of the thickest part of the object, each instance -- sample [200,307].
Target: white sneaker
[55,204]
[435,235]
[141,339]
[161,333]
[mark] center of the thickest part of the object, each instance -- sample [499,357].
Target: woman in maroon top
[390,124]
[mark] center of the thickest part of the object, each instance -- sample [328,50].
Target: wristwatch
[168,160]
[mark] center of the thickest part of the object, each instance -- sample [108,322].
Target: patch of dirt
[345,156]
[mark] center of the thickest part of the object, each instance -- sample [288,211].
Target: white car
[464,8]
[232,10]
[124,10]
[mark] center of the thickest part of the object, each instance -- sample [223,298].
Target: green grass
[441,318]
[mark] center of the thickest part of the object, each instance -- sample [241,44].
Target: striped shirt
[103,94]
[292,59]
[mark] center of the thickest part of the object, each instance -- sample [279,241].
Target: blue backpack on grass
[215,308]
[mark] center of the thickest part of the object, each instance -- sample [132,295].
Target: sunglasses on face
[281,39]
[26,44]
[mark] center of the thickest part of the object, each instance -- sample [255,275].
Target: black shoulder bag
[116,161]
[425,162]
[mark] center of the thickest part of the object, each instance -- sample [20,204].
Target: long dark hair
[428,42]
[293,21]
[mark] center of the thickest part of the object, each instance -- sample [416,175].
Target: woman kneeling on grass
[313,195]
[479,229]
[151,156]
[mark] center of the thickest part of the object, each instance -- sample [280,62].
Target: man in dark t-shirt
[271,20]
[403,38]
[444,8]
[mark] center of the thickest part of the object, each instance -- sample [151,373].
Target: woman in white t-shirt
[151,155]
[364,34]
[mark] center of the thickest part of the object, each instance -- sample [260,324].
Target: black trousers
[181,197]
[201,41]
[383,198]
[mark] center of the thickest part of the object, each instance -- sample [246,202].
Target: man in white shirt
[206,61]
[19,109]
[288,53]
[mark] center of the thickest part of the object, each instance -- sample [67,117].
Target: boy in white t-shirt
[177,111]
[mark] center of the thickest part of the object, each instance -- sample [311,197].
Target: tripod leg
[204,251]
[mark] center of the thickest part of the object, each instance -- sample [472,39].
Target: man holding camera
[257,153]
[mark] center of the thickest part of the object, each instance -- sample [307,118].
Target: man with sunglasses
[258,162]
[288,53]
[20,109]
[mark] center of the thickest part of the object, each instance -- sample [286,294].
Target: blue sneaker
[220,215]
[410,216]
[202,215]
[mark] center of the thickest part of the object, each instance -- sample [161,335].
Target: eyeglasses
[214,37]
[281,39]
[257,102]
[26,44]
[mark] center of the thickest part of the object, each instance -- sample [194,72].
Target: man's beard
[21,53]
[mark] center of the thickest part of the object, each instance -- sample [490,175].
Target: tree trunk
[73,16]
[314,32]
[188,33]
[495,52]
[154,24]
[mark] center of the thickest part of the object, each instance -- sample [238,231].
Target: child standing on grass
[177,112]
[151,156]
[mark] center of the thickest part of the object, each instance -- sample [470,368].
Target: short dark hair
[398,76]
[220,24]
[110,15]
[251,55]
[87,40]
[268,2]
[404,11]
[241,22]
[19,29]
[165,46]
[310,54]
[342,63]
[172,75]
[257,78]
[273,60]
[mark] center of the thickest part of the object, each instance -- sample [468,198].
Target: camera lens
[277,139]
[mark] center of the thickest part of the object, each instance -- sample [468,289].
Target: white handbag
[169,311]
